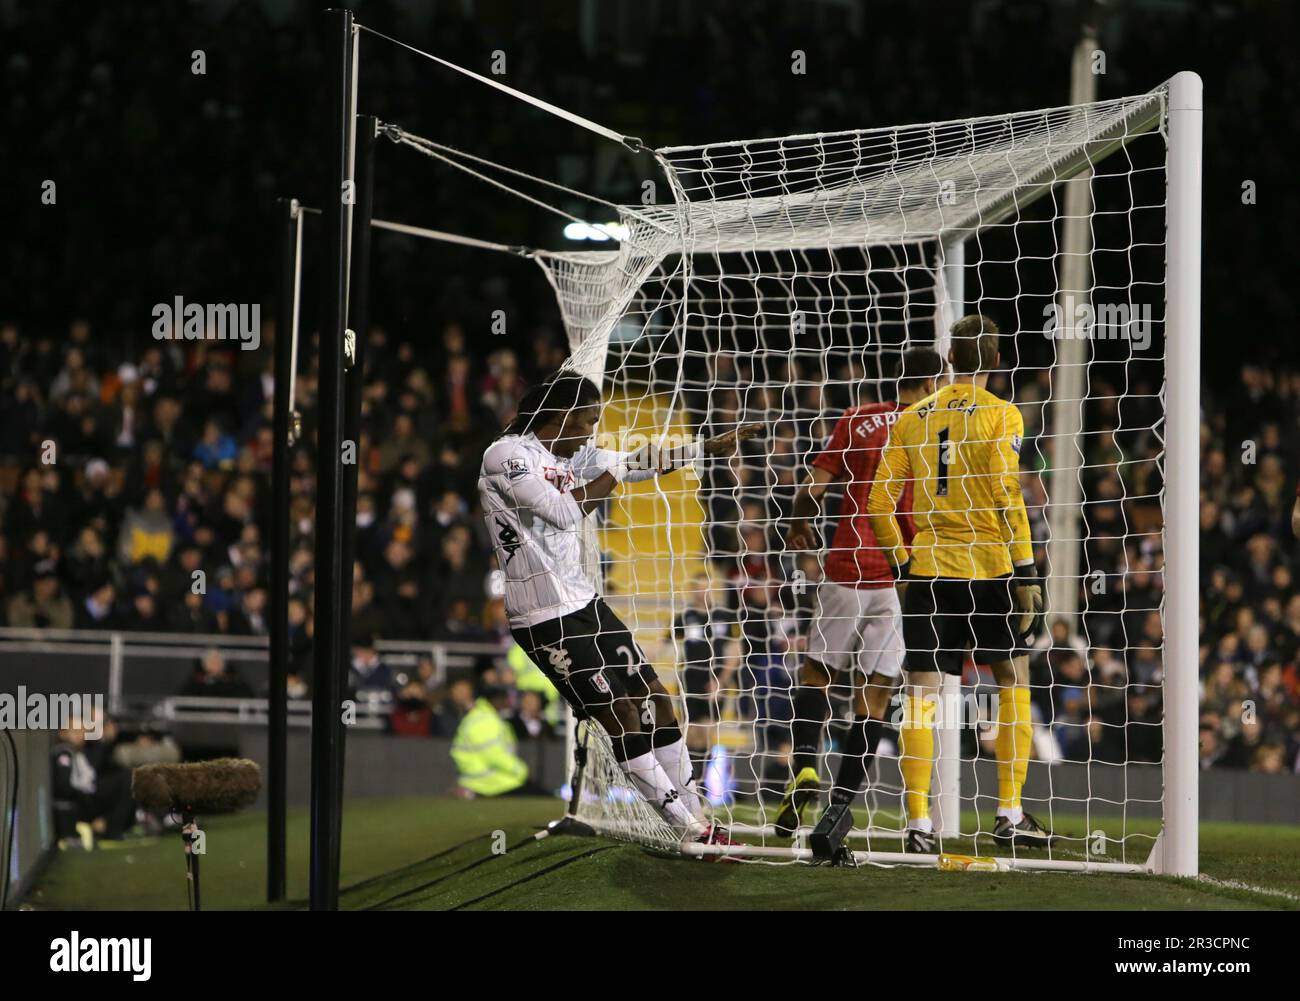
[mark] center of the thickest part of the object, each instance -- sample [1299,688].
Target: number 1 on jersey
[944,453]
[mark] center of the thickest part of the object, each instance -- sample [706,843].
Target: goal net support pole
[1176,852]
[1069,389]
[947,765]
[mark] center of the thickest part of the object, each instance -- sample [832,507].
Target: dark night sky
[166,180]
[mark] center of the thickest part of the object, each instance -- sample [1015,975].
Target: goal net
[779,281]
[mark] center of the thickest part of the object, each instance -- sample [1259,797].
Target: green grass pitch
[436,854]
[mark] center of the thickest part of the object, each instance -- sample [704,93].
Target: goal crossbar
[893,183]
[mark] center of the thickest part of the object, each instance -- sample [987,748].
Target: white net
[779,286]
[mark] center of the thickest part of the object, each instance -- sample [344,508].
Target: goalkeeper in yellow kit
[970,583]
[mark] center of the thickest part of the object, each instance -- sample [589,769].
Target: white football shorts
[859,626]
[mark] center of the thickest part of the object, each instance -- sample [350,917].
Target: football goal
[779,281]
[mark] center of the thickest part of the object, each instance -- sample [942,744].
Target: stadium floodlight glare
[602,233]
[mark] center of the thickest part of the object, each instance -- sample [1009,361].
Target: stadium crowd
[127,465]
[158,469]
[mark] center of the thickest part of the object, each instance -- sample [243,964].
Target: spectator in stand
[503,387]
[90,793]
[459,700]
[191,615]
[87,561]
[367,620]
[528,720]
[368,676]
[216,449]
[250,615]
[146,532]
[143,614]
[44,606]
[403,443]
[96,610]
[214,678]
[411,715]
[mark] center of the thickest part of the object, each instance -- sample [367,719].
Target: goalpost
[774,287]
[776,280]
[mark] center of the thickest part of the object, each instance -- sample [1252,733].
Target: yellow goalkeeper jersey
[959,448]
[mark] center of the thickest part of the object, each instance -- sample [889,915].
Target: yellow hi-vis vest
[484,751]
[529,678]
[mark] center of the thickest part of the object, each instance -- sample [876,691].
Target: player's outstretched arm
[654,459]
[594,491]
[725,443]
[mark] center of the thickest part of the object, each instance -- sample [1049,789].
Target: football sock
[654,784]
[916,743]
[1012,745]
[859,747]
[812,707]
[676,763]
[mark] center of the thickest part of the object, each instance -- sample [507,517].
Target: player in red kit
[857,624]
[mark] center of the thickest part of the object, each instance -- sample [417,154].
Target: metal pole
[947,764]
[326,732]
[358,322]
[278,700]
[1178,855]
[1069,376]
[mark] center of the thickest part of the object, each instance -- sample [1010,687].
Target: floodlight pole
[327,726]
[1179,842]
[281,448]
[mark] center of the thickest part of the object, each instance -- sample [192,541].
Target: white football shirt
[536,525]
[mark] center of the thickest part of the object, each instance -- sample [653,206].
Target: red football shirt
[852,455]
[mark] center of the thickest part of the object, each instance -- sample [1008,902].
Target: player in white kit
[538,483]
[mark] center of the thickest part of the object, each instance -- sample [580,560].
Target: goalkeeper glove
[1027,601]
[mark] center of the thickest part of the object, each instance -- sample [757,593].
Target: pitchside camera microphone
[203,787]
[221,786]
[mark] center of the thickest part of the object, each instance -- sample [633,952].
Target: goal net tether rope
[631,142]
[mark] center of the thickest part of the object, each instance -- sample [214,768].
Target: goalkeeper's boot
[919,842]
[802,791]
[1029,833]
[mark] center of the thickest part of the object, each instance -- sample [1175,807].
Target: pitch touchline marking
[1226,884]
[1236,884]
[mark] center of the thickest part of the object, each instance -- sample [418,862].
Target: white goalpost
[777,281]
